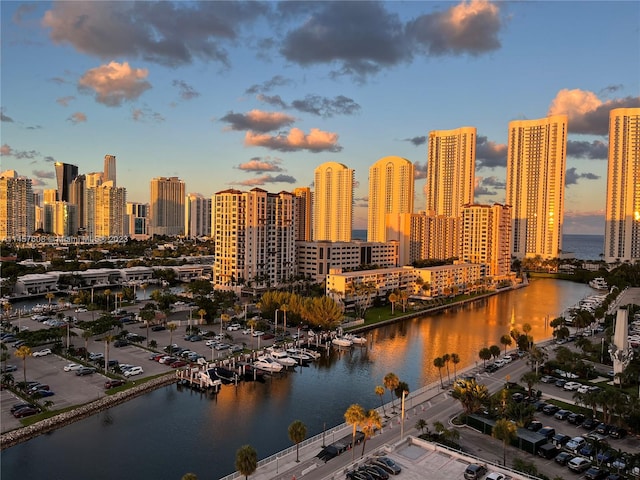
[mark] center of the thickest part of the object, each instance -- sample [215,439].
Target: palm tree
[506,341]
[404,296]
[484,354]
[445,358]
[380,393]
[354,416]
[107,341]
[526,328]
[438,362]
[172,328]
[530,378]
[107,292]
[246,460]
[202,312]
[23,352]
[393,298]
[144,290]
[495,351]
[297,433]
[50,296]
[370,424]
[455,359]
[391,382]
[86,334]
[224,318]
[471,395]
[421,424]
[506,431]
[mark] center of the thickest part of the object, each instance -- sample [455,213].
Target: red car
[113,383]
[178,363]
[25,412]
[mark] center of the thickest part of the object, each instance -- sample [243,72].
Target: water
[170,432]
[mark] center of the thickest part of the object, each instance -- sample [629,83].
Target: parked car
[113,383]
[575,444]
[547,432]
[603,428]
[605,457]
[93,356]
[389,465]
[548,379]
[576,418]
[120,343]
[534,426]
[589,424]
[595,473]
[72,367]
[562,414]
[233,327]
[25,412]
[550,409]
[496,476]
[18,406]
[548,451]
[42,393]
[133,371]
[579,464]
[560,440]
[563,458]
[571,386]
[588,450]
[42,353]
[475,471]
[617,432]
[85,371]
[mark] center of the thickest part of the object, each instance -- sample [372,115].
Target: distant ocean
[583,247]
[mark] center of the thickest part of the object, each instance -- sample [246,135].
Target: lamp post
[276,315]
[404,394]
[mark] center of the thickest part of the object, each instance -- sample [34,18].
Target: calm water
[169,432]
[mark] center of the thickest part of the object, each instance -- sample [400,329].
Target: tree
[107,292]
[202,312]
[446,358]
[438,362]
[391,382]
[246,460]
[484,354]
[23,352]
[455,359]
[380,393]
[370,424]
[50,296]
[471,394]
[421,424]
[495,351]
[297,433]
[530,379]
[354,416]
[107,341]
[393,298]
[86,334]
[224,318]
[506,341]
[189,476]
[172,328]
[506,431]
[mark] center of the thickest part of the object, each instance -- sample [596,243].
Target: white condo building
[622,220]
[333,202]
[167,206]
[254,235]
[197,216]
[536,165]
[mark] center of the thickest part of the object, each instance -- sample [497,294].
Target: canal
[169,432]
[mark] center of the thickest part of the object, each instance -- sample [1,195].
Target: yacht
[299,355]
[356,339]
[341,342]
[268,364]
[599,283]
[283,358]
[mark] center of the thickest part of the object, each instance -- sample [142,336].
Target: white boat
[599,283]
[268,364]
[312,353]
[341,342]
[282,358]
[207,378]
[356,339]
[299,355]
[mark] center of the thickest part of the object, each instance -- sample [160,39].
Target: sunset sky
[243,94]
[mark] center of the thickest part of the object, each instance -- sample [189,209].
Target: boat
[282,358]
[599,283]
[268,364]
[225,374]
[206,379]
[299,355]
[341,342]
[356,339]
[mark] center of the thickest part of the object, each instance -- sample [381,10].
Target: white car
[233,327]
[133,371]
[495,476]
[72,367]
[572,386]
[81,310]
[210,343]
[584,389]
[42,353]
[258,333]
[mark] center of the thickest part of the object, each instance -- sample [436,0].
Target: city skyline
[261,94]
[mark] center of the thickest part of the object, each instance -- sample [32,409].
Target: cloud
[252,182]
[168,33]
[419,170]
[274,100]
[490,154]
[115,83]
[417,141]
[64,101]
[572,177]
[595,150]
[3,117]
[23,11]
[77,117]
[316,105]
[258,164]
[44,174]
[257,120]
[276,81]
[7,151]
[488,186]
[49,159]
[589,223]
[316,141]
[186,91]
[145,114]
[586,112]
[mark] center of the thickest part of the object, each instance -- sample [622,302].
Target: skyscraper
[65,173]
[167,206]
[390,193]
[536,164]
[303,213]
[451,168]
[137,223]
[78,197]
[197,215]
[110,169]
[17,209]
[106,210]
[622,220]
[333,202]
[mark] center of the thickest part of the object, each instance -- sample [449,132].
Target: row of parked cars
[379,468]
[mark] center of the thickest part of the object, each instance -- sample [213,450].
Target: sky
[258,94]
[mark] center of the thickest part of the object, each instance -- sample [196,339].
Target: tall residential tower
[65,173]
[333,202]
[167,206]
[536,164]
[622,221]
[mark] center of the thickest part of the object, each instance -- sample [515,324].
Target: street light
[404,394]
[276,314]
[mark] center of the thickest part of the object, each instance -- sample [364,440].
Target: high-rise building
[197,216]
[137,223]
[106,211]
[536,164]
[622,220]
[333,202]
[486,238]
[451,168]
[110,169]
[65,173]
[390,194]
[167,206]
[78,197]
[50,195]
[17,209]
[254,235]
[60,219]
[303,213]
